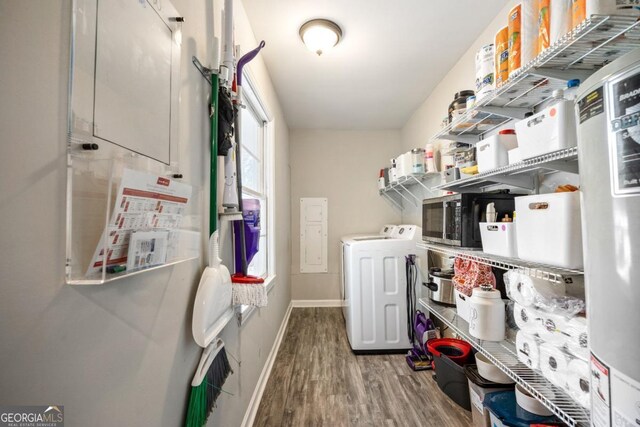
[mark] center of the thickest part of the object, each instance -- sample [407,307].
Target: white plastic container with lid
[492,152]
[552,129]
[499,238]
[487,314]
[417,161]
[549,229]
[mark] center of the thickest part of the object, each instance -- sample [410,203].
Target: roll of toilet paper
[553,364]
[523,34]
[560,22]
[578,377]
[527,319]
[528,349]
[553,329]
[612,7]
[578,339]
[485,71]
[529,291]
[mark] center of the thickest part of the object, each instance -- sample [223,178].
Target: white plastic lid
[484,293]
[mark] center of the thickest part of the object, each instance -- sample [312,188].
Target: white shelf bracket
[557,74]
[415,199]
[466,138]
[511,112]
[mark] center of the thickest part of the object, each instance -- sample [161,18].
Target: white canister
[487,314]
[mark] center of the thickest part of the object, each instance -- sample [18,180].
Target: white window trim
[243,313]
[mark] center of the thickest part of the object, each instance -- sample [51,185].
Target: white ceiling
[393,53]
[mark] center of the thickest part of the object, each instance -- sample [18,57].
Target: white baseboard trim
[317,303]
[254,403]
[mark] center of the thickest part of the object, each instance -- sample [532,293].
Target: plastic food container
[551,129]
[530,403]
[504,411]
[462,305]
[499,238]
[492,153]
[549,229]
[491,372]
[478,389]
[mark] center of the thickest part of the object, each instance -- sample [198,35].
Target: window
[257,174]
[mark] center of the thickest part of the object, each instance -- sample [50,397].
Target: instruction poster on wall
[143,228]
[626,126]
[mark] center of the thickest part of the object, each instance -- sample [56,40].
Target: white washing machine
[374,289]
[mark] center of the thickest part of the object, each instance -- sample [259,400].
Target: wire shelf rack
[519,174]
[503,355]
[539,271]
[591,45]
[402,187]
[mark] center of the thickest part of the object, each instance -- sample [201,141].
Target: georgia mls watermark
[32,416]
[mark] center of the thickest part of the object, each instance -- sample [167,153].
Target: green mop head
[207,383]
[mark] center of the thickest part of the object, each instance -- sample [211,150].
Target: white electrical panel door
[313,235]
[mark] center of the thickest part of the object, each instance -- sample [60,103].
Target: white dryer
[385,232]
[374,289]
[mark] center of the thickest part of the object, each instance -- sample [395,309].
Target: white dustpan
[212,309]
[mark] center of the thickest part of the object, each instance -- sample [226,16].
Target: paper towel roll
[485,71]
[560,19]
[578,377]
[528,349]
[527,319]
[554,364]
[523,34]
[553,329]
[502,56]
[582,9]
[578,340]
[544,25]
[528,291]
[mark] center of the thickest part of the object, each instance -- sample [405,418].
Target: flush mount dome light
[320,34]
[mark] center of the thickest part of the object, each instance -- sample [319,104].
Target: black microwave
[454,220]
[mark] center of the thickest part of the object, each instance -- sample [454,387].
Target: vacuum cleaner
[420,328]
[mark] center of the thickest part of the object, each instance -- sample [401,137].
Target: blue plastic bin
[504,411]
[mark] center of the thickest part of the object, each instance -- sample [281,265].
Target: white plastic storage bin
[463,309]
[499,238]
[515,156]
[551,129]
[492,153]
[549,229]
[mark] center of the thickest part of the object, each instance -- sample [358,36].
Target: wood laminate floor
[317,381]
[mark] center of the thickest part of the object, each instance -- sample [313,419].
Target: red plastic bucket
[456,350]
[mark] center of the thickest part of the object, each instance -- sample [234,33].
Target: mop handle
[246,58]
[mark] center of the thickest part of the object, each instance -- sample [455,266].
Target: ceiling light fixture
[320,35]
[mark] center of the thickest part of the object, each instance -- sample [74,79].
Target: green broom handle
[213,188]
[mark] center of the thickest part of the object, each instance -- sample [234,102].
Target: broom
[214,367]
[212,371]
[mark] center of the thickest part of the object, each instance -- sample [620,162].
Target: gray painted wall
[342,166]
[121,353]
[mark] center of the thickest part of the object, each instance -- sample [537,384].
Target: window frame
[252,99]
